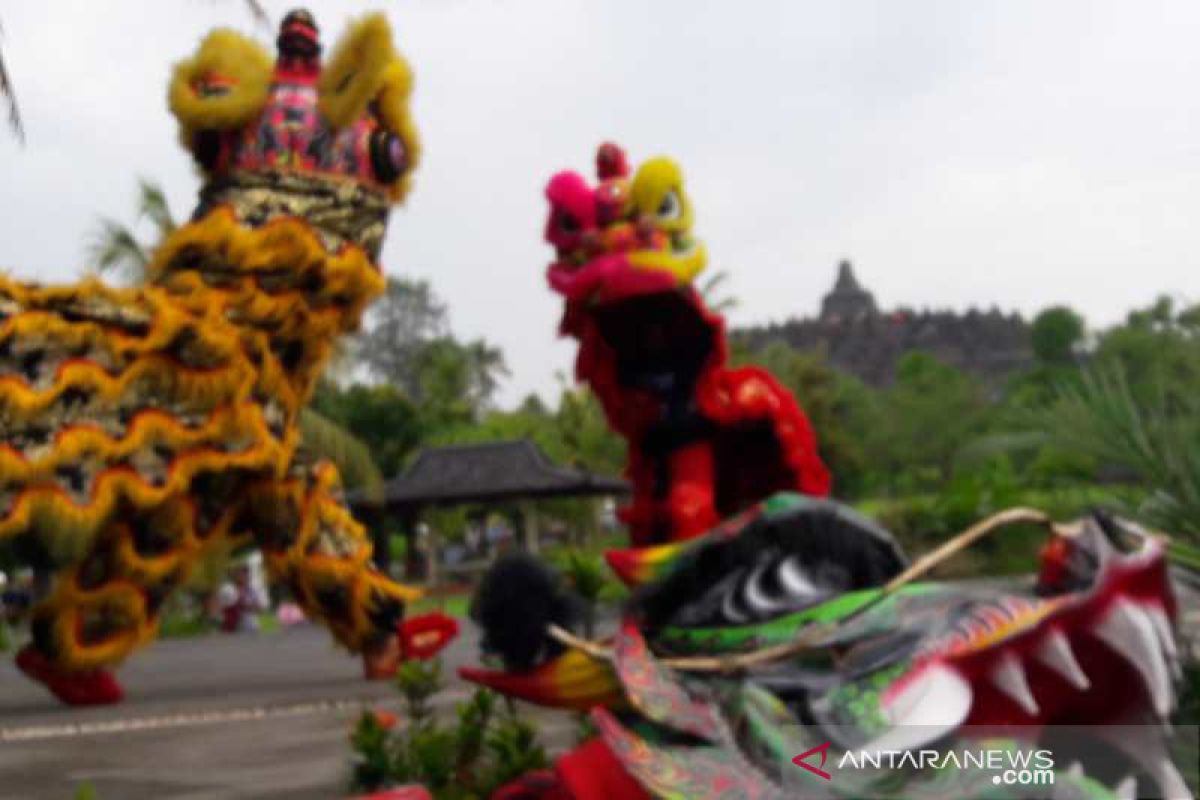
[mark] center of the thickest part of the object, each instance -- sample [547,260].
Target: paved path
[263,716]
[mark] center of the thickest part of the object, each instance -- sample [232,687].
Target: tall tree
[379,415]
[116,247]
[931,412]
[1056,334]
[1158,351]
[1158,441]
[9,94]
[8,91]
[485,367]
[399,327]
[406,342]
[711,288]
[325,439]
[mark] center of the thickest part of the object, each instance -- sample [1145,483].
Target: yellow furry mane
[237,71]
[365,68]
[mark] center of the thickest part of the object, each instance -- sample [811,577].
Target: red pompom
[611,162]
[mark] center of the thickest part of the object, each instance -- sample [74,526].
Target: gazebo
[503,472]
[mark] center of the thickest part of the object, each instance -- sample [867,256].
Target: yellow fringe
[354,72]
[221,383]
[238,62]
[287,244]
[366,67]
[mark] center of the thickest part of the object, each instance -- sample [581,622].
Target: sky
[1019,154]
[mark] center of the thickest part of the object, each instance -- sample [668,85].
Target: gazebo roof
[491,472]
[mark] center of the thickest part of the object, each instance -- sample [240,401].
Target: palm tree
[9,94]
[327,440]
[1159,442]
[486,366]
[116,247]
[708,290]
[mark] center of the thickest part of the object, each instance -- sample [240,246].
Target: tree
[931,412]
[380,416]
[115,246]
[326,439]
[583,433]
[1056,334]
[399,326]
[709,288]
[1158,441]
[406,342]
[485,366]
[9,93]
[1158,352]
[575,433]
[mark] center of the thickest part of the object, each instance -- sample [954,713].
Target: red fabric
[425,636]
[716,476]
[751,439]
[592,772]
[691,502]
[231,618]
[399,793]
[92,688]
[542,784]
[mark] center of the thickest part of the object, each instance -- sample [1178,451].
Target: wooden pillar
[531,524]
[595,521]
[407,517]
[432,549]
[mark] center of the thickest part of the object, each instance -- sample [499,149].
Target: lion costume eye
[670,207]
[568,224]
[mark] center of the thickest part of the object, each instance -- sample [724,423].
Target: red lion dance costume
[147,428]
[795,631]
[705,440]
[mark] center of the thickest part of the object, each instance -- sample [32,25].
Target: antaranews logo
[823,749]
[1011,767]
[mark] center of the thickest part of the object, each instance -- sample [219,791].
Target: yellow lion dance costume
[143,427]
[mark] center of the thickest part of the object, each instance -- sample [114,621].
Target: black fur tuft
[515,602]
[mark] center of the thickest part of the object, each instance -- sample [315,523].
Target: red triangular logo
[823,750]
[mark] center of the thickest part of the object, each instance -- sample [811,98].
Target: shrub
[486,745]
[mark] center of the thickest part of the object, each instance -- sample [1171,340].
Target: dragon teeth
[1129,631]
[1009,676]
[1126,789]
[1055,652]
[1147,748]
[1166,637]
[933,703]
[1170,782]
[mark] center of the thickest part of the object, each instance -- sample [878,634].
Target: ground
[221,716]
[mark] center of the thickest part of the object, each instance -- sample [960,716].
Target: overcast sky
[960,153]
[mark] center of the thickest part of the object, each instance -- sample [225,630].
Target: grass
[455,605]
[179,626]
